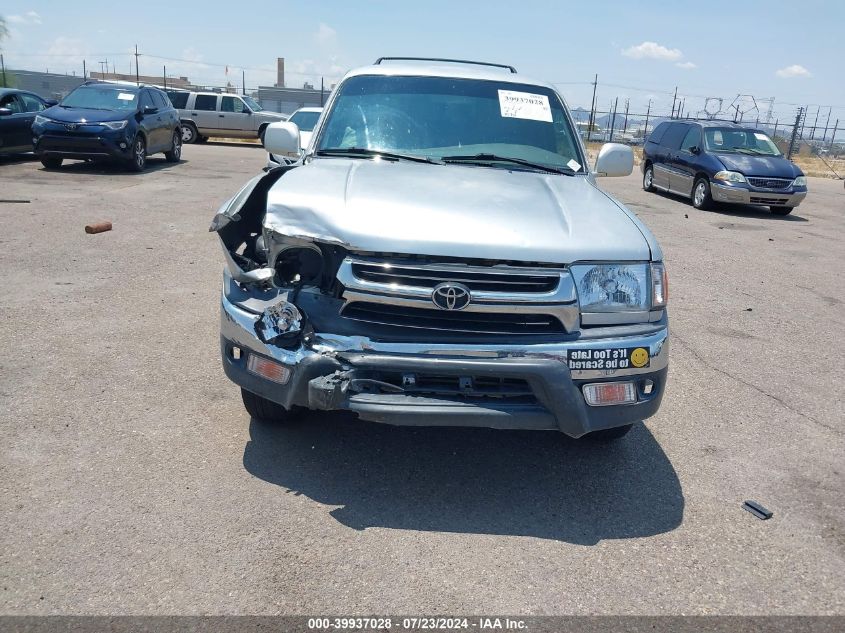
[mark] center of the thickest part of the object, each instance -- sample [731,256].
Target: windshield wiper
[363,151]
[481,159]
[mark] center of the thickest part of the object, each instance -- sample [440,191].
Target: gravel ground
[133,481]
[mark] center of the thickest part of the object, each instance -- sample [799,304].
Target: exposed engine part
[280,324]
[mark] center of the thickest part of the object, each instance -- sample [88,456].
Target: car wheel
[648,178]
[51,163]
[175,154]
[261,135]
[781,210]
[265,410]
[189,133]
[139,154]
[701,198]
[608,435]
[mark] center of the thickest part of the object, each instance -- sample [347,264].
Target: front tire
[701,198]
[778,210]
[261,135]
[608,435]
[265,410]
[648,178]
[51,163]
[175,154]
[189,134]
[139,154]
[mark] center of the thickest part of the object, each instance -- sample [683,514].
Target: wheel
[648,178]
[51,163]
[261,135]
[189,133]
[139,154]
[265,410]
[781,210]
[701,198]
[608,435]
[175,154]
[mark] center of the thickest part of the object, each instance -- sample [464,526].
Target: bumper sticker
[614,358]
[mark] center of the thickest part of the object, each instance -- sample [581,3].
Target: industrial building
[280,98]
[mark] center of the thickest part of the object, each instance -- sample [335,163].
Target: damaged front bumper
[528,386]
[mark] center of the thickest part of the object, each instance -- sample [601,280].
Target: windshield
[101,98]
[735,141]
[305,121]
[436,117]
[252,103]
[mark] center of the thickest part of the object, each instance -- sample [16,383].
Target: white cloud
[795,70]
[326,35]
[653,50]
[30,17]
[686,65]
[67,47]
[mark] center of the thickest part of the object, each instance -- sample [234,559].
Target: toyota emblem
[449,296]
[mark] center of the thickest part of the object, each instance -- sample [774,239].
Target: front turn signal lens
[602,394]
[268,369]
[659,286]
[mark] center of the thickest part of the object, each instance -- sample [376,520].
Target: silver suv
[442,256]
[207,114]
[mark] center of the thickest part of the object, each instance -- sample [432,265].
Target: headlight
[621,287]
[299,265]
[40,120]
[114,125]
[612,287]
[801,181]
[730,176]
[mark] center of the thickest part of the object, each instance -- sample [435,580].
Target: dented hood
[452,211]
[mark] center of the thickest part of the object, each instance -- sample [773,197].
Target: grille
[508,281]
[465,387]
[758,200]
[449,321]
[769,183]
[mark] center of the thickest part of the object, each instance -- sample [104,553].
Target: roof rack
[441,59]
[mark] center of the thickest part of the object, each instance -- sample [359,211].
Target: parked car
[442,255]
[207,114]
[305,119]
[17,113]
[715,161]
[110,121]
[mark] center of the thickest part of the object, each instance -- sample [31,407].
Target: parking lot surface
[133,481]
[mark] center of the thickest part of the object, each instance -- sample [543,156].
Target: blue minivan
[716,161]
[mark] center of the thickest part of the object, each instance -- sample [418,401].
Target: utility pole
[775,133]
[3,67]
[736,107]
[824,136]
[681,108]
[794,133]
[84,71]
[137,76]
[592,109]
[164,75]
[243,81]
[815,123]
[673,103]
[833,138]
[321,91]
[613,120]
[647,112]
[803,121]
[625,122]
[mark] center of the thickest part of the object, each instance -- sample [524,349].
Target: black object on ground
[757,510]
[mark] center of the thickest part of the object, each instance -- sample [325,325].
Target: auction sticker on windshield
[614,358]
[126,96]
[524,105]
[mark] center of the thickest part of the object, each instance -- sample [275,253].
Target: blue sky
[640,51]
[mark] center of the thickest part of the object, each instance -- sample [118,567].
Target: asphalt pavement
[132,481]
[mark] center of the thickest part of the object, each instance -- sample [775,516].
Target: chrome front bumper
[544,366]
[740,195]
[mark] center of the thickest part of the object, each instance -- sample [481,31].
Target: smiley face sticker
[639,357]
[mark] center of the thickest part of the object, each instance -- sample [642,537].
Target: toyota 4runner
[442,256]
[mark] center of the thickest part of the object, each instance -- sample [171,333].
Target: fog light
[236,352]
[648,386]
[268,369]
[601,394]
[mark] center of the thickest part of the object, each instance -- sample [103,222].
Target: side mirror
[5,112]
[51,102]
[149,110]
[695,149]
[615,159]
[282,139]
